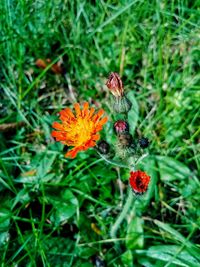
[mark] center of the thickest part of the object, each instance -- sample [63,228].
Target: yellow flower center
[79,132]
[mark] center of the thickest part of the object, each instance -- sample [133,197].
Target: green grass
[60,212]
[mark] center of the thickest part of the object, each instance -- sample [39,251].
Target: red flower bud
[115,84]
[139,181]
[121,127]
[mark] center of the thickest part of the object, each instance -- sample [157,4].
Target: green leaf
[167,228]
[195,251]
[5,216]
[4,237]
[65,206]
[29,179]
[146,262]
[41,165]
[86,252]
[48,177]
[133,114]
[127,258]
[83,264]
[22,196]
[46,164]
[134,236]
[172,169]
[171,253]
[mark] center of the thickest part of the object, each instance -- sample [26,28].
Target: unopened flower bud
[125,140]
[115,84]
[103,147]
[121,127]
[144,142]
[122,105]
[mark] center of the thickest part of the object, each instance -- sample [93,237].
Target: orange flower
[139,181]
[79,130]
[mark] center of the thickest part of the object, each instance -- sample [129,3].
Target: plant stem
[122,215]
[113,162]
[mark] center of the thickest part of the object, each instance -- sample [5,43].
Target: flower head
[139,181]
[103,147]
[79,130]
[125,140]
[143,142]
[115,84]
[121,127]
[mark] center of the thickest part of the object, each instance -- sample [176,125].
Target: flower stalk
[127,148]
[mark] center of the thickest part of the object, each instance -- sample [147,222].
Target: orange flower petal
[55,134]
[103,121]
[66,113]
[85,106]
[91,144]
[92,110]
[96,137]
[85,110]
[98,115]
[57,126]
[98,128]
[77,109]
[72,153]
[60,136]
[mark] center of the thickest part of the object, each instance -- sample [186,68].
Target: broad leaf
[172,169]
[171,253]
[65,206]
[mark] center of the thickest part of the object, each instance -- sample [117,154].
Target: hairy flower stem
[116,225]
[113,162]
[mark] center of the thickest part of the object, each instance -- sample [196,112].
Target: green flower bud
[122,104]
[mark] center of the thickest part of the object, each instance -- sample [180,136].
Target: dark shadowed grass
[60,212]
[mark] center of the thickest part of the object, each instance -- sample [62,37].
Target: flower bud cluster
[123,105]
[127,145]
[121,128]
